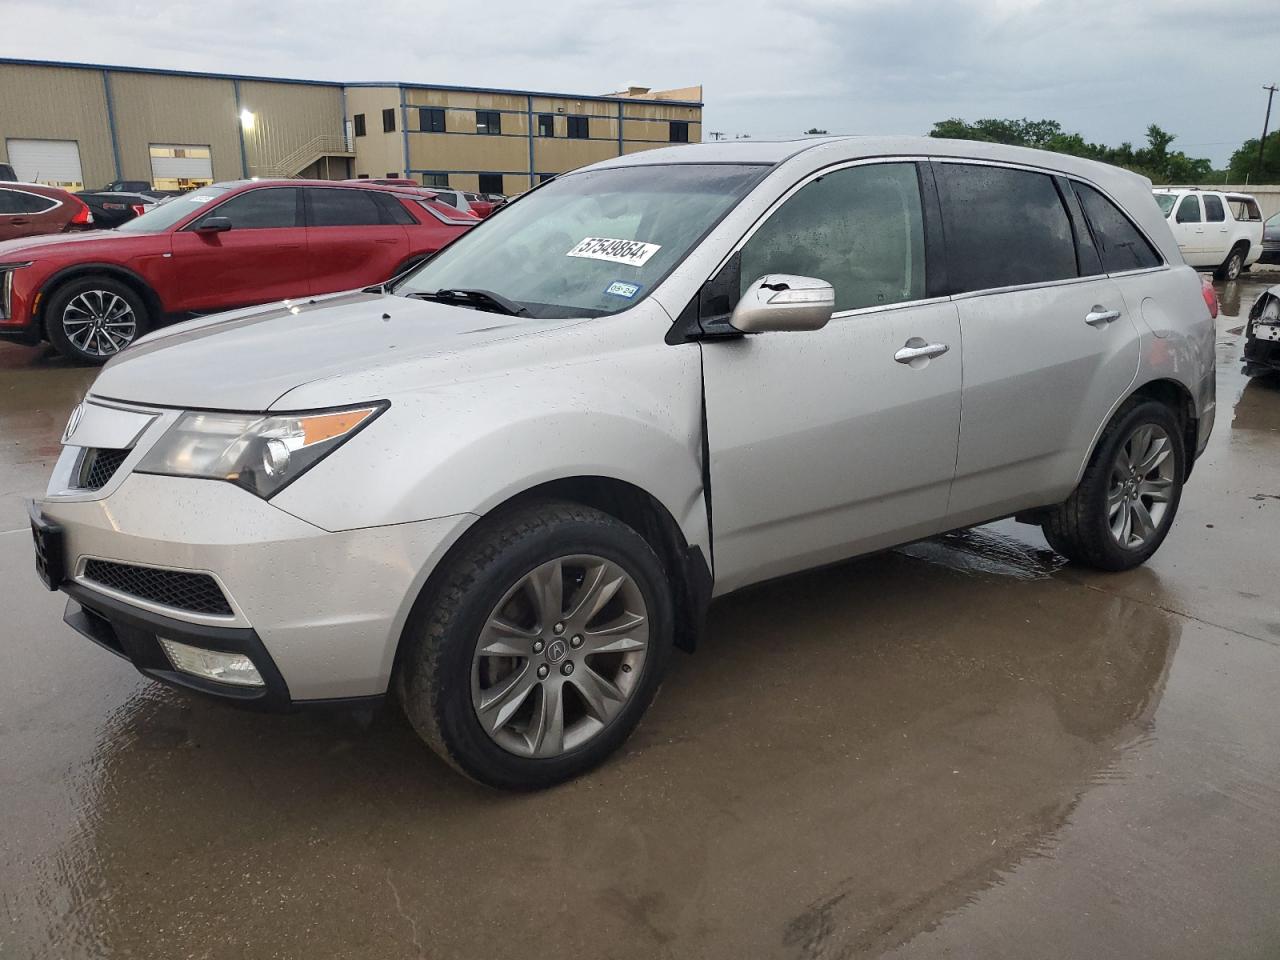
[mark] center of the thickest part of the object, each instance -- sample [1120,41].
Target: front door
[1188,230]
[1050,345]
[829,443]
[263,257]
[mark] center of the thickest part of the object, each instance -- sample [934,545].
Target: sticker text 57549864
[634,253]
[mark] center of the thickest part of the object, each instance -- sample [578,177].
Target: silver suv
[505,486]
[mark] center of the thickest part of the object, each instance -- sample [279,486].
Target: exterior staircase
[295,161]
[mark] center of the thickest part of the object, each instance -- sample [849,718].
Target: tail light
[82,216]
[1210,296]
[138,209]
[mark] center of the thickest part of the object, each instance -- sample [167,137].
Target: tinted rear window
[343,208]
[1121,245]
[1004,227]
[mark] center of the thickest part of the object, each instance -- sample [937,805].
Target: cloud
[1102,67]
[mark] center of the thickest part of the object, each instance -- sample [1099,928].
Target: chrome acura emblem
[72,422]
[556,651]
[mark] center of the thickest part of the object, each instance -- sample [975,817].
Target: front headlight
[6,287]
[261,453]
[1271,311]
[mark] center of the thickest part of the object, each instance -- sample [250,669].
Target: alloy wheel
[1141,486]
[99,323]
[560,656]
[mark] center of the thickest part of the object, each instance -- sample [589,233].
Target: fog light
[213,664]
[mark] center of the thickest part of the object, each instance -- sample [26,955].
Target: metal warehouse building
[77,125]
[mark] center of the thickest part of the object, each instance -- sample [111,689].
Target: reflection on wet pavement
[958,748]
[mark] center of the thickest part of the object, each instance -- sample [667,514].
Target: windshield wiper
[478,299]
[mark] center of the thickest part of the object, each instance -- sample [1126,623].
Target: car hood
[54,244]
[248,359]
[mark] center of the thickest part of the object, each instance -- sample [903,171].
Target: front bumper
[320,613]
[1270,252]
[1261,352]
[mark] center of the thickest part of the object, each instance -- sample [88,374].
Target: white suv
[1217,231]
[505,486]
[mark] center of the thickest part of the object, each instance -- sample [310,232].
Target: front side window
[1214,212]
[861,229]
[258,209]
[1189,209]
[431,119]
[546,125]
[336,207]
[1120,244]
[579,128]
[164,215]
[591,243]
[488,121]
[1004,227]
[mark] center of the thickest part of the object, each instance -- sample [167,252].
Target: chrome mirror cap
[779,301]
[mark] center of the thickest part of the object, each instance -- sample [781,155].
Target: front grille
[193,592]
[98,466]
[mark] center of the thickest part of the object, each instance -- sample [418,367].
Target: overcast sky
[1105,68]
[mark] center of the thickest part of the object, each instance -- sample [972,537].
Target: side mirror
[214,225]
[780,302]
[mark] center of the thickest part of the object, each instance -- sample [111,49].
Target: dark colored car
[6,172]
[217,248]
[32,209]
[1262,334]
[1271,240]
[110,209]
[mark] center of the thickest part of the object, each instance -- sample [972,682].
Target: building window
[546,125]
[389,120]
[431,120]
[393,175]
[491,183]
[435,179]
[358,122]
[579,128]
[544,177]
[362,176]
[488,121]
[679,131]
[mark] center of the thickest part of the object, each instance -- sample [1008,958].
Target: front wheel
[541,647]
[1126,501]
[91,319]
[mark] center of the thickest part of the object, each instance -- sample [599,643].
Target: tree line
[1156,160]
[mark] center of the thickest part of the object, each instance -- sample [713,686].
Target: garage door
[181,166]
[55,162]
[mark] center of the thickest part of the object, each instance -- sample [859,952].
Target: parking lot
[958,748]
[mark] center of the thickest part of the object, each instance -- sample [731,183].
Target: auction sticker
[634,253]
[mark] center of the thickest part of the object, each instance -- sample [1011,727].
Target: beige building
[78,125]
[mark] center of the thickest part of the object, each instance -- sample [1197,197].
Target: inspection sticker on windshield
[620,288]
[633,253]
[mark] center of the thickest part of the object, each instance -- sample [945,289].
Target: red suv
[31,209]
[222,246]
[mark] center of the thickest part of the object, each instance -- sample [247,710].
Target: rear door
[352,239]
[1049,344]
[263,257]
[26,214]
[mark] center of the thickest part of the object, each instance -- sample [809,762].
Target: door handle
[1100,315]
[19,221]
[917,349]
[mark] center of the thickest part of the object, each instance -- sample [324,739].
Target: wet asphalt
[961,748]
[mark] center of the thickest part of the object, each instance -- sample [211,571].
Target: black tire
[1233,266]
[1079,528]
[61,311]
[434,672]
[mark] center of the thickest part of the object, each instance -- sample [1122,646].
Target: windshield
[591,243]
[1166,201]
[163,216]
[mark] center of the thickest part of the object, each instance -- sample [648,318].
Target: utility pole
[717,135]
[1262,144]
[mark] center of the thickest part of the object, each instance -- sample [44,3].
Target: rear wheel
[1126,501]
[539,651]
[91,319]
[1233,266]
